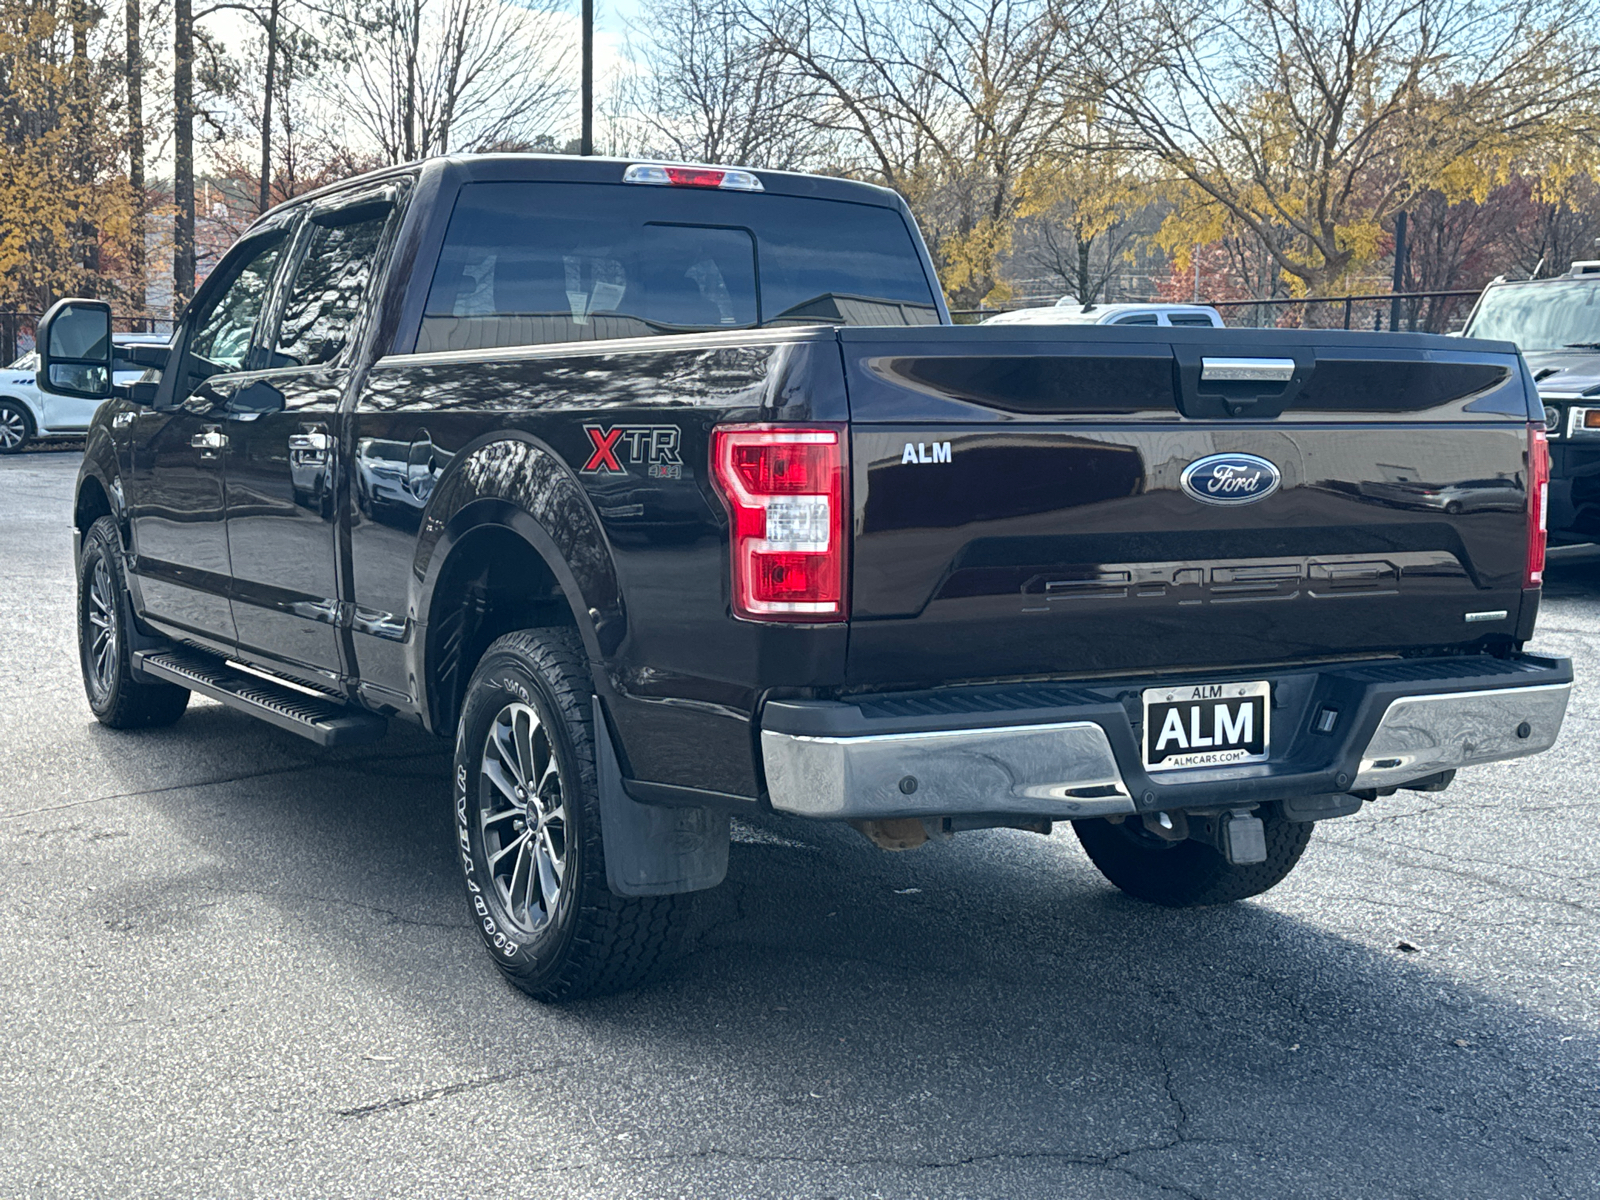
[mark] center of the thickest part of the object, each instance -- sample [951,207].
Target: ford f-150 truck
[671,494]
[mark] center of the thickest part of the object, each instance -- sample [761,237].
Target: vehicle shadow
[981,1016]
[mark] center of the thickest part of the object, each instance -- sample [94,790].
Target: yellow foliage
[62,201]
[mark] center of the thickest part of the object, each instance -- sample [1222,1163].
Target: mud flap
[652,850]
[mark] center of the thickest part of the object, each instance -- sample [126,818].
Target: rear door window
[528,263]
[341,251]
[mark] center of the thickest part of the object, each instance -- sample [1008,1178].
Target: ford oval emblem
[1230,479]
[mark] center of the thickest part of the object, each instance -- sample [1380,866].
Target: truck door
[283,452]
[176,505]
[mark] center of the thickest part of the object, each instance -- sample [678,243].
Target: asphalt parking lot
[234,964]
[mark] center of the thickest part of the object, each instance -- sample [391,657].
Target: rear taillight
[1538,504]
[785,492]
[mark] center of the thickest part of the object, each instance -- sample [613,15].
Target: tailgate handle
[1247,370]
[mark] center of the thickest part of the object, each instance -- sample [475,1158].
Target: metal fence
[1411,312]
[16,329]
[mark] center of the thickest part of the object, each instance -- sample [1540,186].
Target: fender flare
[513,481]
[100,465]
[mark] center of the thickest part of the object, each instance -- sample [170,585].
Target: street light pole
[586,142]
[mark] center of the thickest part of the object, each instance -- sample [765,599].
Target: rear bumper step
[326,722]
[1067,751]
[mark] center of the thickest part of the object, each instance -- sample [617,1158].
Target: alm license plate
[1205,725]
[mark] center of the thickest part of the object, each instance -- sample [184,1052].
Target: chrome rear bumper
[1423,735]
[1061,770]
[1401,722]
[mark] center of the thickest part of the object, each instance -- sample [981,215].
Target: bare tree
[711,87]
[948,101]
[427,77]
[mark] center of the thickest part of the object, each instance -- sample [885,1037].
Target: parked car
[1556,323]
[28,412]
[1067,311]
[523,450]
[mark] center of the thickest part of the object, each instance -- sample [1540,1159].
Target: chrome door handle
[314,442]
[209,439]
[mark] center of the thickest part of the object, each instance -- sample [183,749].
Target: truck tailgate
[1021,507]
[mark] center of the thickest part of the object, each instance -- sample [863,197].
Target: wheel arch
[508,541]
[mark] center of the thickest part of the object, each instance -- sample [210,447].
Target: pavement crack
[406,1100]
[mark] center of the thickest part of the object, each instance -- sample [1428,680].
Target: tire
[527,717]
[1189,874]
[116,697]
[16,426]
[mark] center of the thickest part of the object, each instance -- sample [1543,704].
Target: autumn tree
[950,102]
[64,203]
[1310,123]
[1080,211]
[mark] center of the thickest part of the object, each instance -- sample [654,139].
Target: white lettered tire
[528,828]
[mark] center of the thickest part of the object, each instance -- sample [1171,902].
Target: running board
[326,722]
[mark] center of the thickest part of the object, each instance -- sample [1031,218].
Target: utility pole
[586,142]
[1399,270]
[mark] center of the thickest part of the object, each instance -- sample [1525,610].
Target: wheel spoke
[520,876]
[496,774]
[549,883]
[505,746]
[547,844]
[525,724]
[513,845]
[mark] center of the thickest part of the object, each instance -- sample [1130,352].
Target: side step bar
[326,722]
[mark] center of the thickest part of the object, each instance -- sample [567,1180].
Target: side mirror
[75,349]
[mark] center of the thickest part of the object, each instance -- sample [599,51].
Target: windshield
[1554,315]
[525,263]
[28,362]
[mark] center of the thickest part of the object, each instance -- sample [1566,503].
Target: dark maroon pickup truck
[671,494]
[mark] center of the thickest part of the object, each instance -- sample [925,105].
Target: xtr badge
[1230,479]
[653,446]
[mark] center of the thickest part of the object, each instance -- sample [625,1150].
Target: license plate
[1206,725]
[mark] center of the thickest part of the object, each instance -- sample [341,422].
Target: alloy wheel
[522,810]
[100,632]
[13,429]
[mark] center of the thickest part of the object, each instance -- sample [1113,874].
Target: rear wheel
[16,426]
[116,696]
[1188,874]
[528,828]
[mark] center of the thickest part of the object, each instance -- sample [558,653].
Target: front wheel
[528,827]
[16,426]
[116,696]
[1188,874]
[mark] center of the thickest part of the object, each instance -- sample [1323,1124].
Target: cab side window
[222,329]
[325,298]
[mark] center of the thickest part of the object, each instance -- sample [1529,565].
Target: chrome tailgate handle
[1246,370]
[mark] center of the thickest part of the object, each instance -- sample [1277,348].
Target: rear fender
[515,482]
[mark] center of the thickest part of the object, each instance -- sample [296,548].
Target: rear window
[527,263]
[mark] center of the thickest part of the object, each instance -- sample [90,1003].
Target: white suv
[1067,311]
[27,413]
